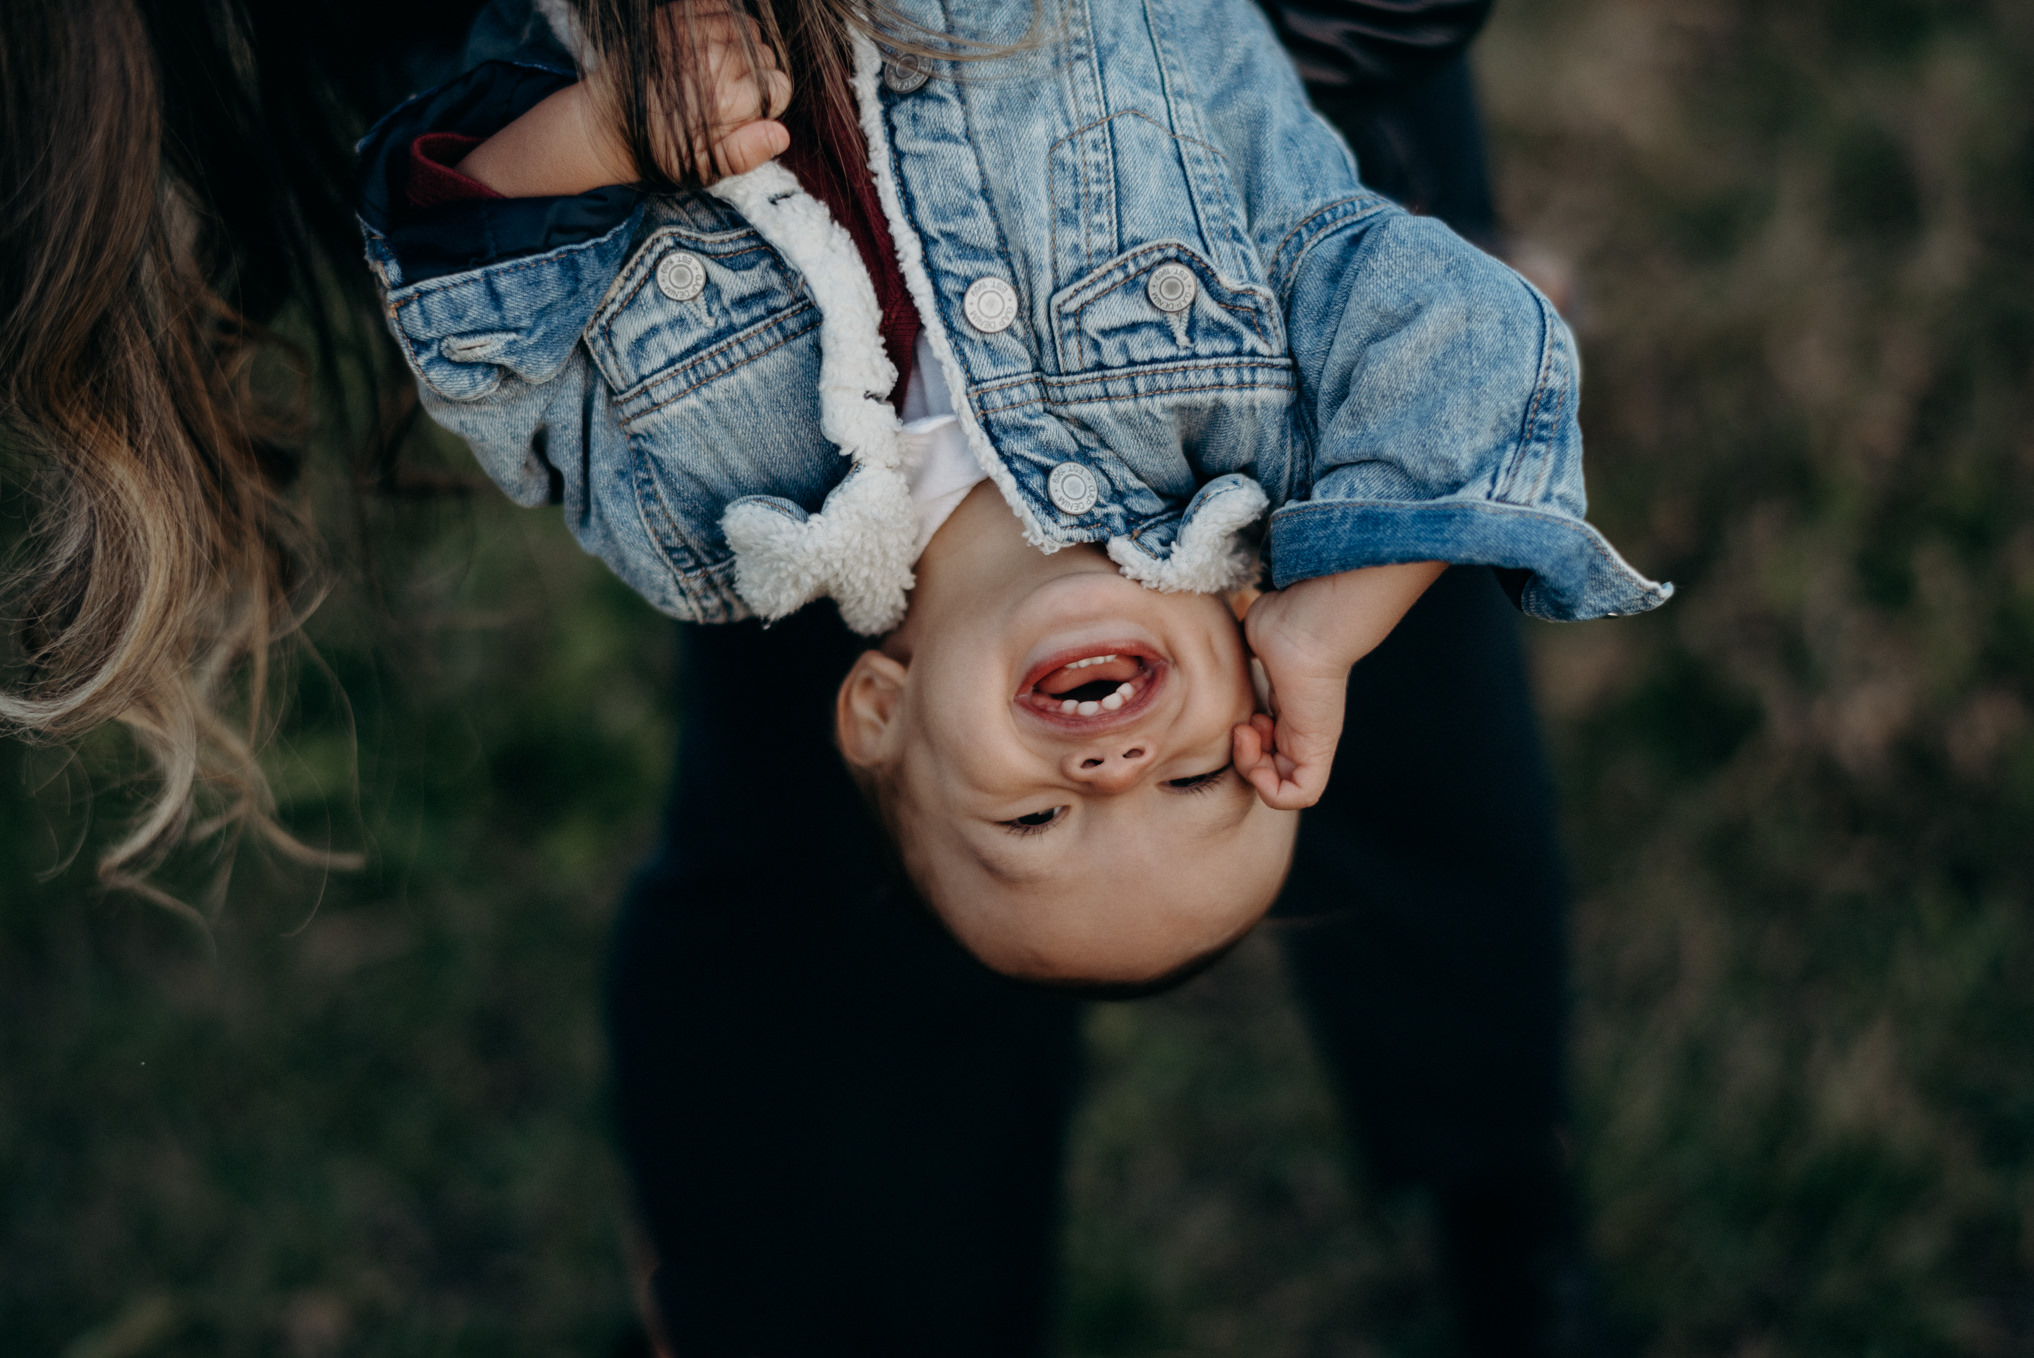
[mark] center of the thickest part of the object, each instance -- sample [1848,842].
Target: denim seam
[612,309]
[1313,509]
[1528,435]
[1120,271]
[1346,211]
[490,273]
[1131,113]
[1097,400]
[673,372]
[1046,397]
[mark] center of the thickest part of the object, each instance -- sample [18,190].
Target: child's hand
[569,144]
[740,105]
[1307,636]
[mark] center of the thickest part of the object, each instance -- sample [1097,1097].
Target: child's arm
[569,145]
[1308,636]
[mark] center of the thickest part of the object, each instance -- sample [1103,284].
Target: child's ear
[865,710]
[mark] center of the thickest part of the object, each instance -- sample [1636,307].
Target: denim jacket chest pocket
[1161,304]
[1152,264]
[690,308]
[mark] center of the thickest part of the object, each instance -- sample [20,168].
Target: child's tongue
[1109,670]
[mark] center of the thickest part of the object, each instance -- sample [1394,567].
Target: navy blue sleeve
[1363,45]
[433,242]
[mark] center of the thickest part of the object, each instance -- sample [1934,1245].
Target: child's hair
[173,175]
[812,39]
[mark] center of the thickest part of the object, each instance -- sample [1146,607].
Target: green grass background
[366,1119]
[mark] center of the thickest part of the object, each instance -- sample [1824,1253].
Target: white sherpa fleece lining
[1210,555]
[911,260]
[860,546]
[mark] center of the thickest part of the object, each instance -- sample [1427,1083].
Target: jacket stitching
[676,369]
[1529,432]
[1125,268]
[1580,527]
[1278,365]
[1101,400]
[1347,211]
[612,310]
[418,292]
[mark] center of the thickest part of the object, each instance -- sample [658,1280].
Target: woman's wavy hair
[173,173]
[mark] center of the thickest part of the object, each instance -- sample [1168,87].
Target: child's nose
[1108,768]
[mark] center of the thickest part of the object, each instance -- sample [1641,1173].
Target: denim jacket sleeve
[488,299]
[1438,389]
[1441,391]
[496,351]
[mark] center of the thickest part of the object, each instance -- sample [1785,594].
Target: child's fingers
[1281,783]
[748,146]
[739,99]
[779,87]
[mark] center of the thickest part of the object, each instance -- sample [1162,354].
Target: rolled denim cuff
[463,332]
[1574,574]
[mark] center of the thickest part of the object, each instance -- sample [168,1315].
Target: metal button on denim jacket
[1159,294]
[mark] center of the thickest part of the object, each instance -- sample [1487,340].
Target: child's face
[1052,742]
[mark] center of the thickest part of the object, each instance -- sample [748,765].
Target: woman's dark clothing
[846,1135]
[1373,49]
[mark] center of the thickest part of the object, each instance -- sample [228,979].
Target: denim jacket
[1160,297]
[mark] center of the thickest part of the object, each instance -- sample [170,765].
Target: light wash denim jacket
[1162,300]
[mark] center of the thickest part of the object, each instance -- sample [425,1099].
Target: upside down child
[1028,346]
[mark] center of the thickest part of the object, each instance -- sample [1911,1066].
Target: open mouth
[1094,684]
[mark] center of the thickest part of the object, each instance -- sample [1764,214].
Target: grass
[1802,239]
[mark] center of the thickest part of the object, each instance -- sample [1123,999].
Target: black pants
[846,1135]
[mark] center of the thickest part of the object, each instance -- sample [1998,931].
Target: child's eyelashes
[1199,782]
[1038,822]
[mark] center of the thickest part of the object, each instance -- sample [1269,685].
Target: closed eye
[1036,823]
[1199,782]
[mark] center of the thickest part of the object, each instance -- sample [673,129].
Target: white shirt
[936,459]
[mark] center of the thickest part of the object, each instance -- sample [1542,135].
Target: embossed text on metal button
[1072,487]
[903,77]
[681,276]
[1171,287]
[990,305]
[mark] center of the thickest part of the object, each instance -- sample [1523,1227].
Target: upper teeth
[1091,660]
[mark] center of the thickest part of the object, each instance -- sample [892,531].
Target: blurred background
[364,1116]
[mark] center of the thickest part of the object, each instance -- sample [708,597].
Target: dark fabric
[433,242]
[844,1133]
[1423,148]
[1372,47]
[1423,921]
